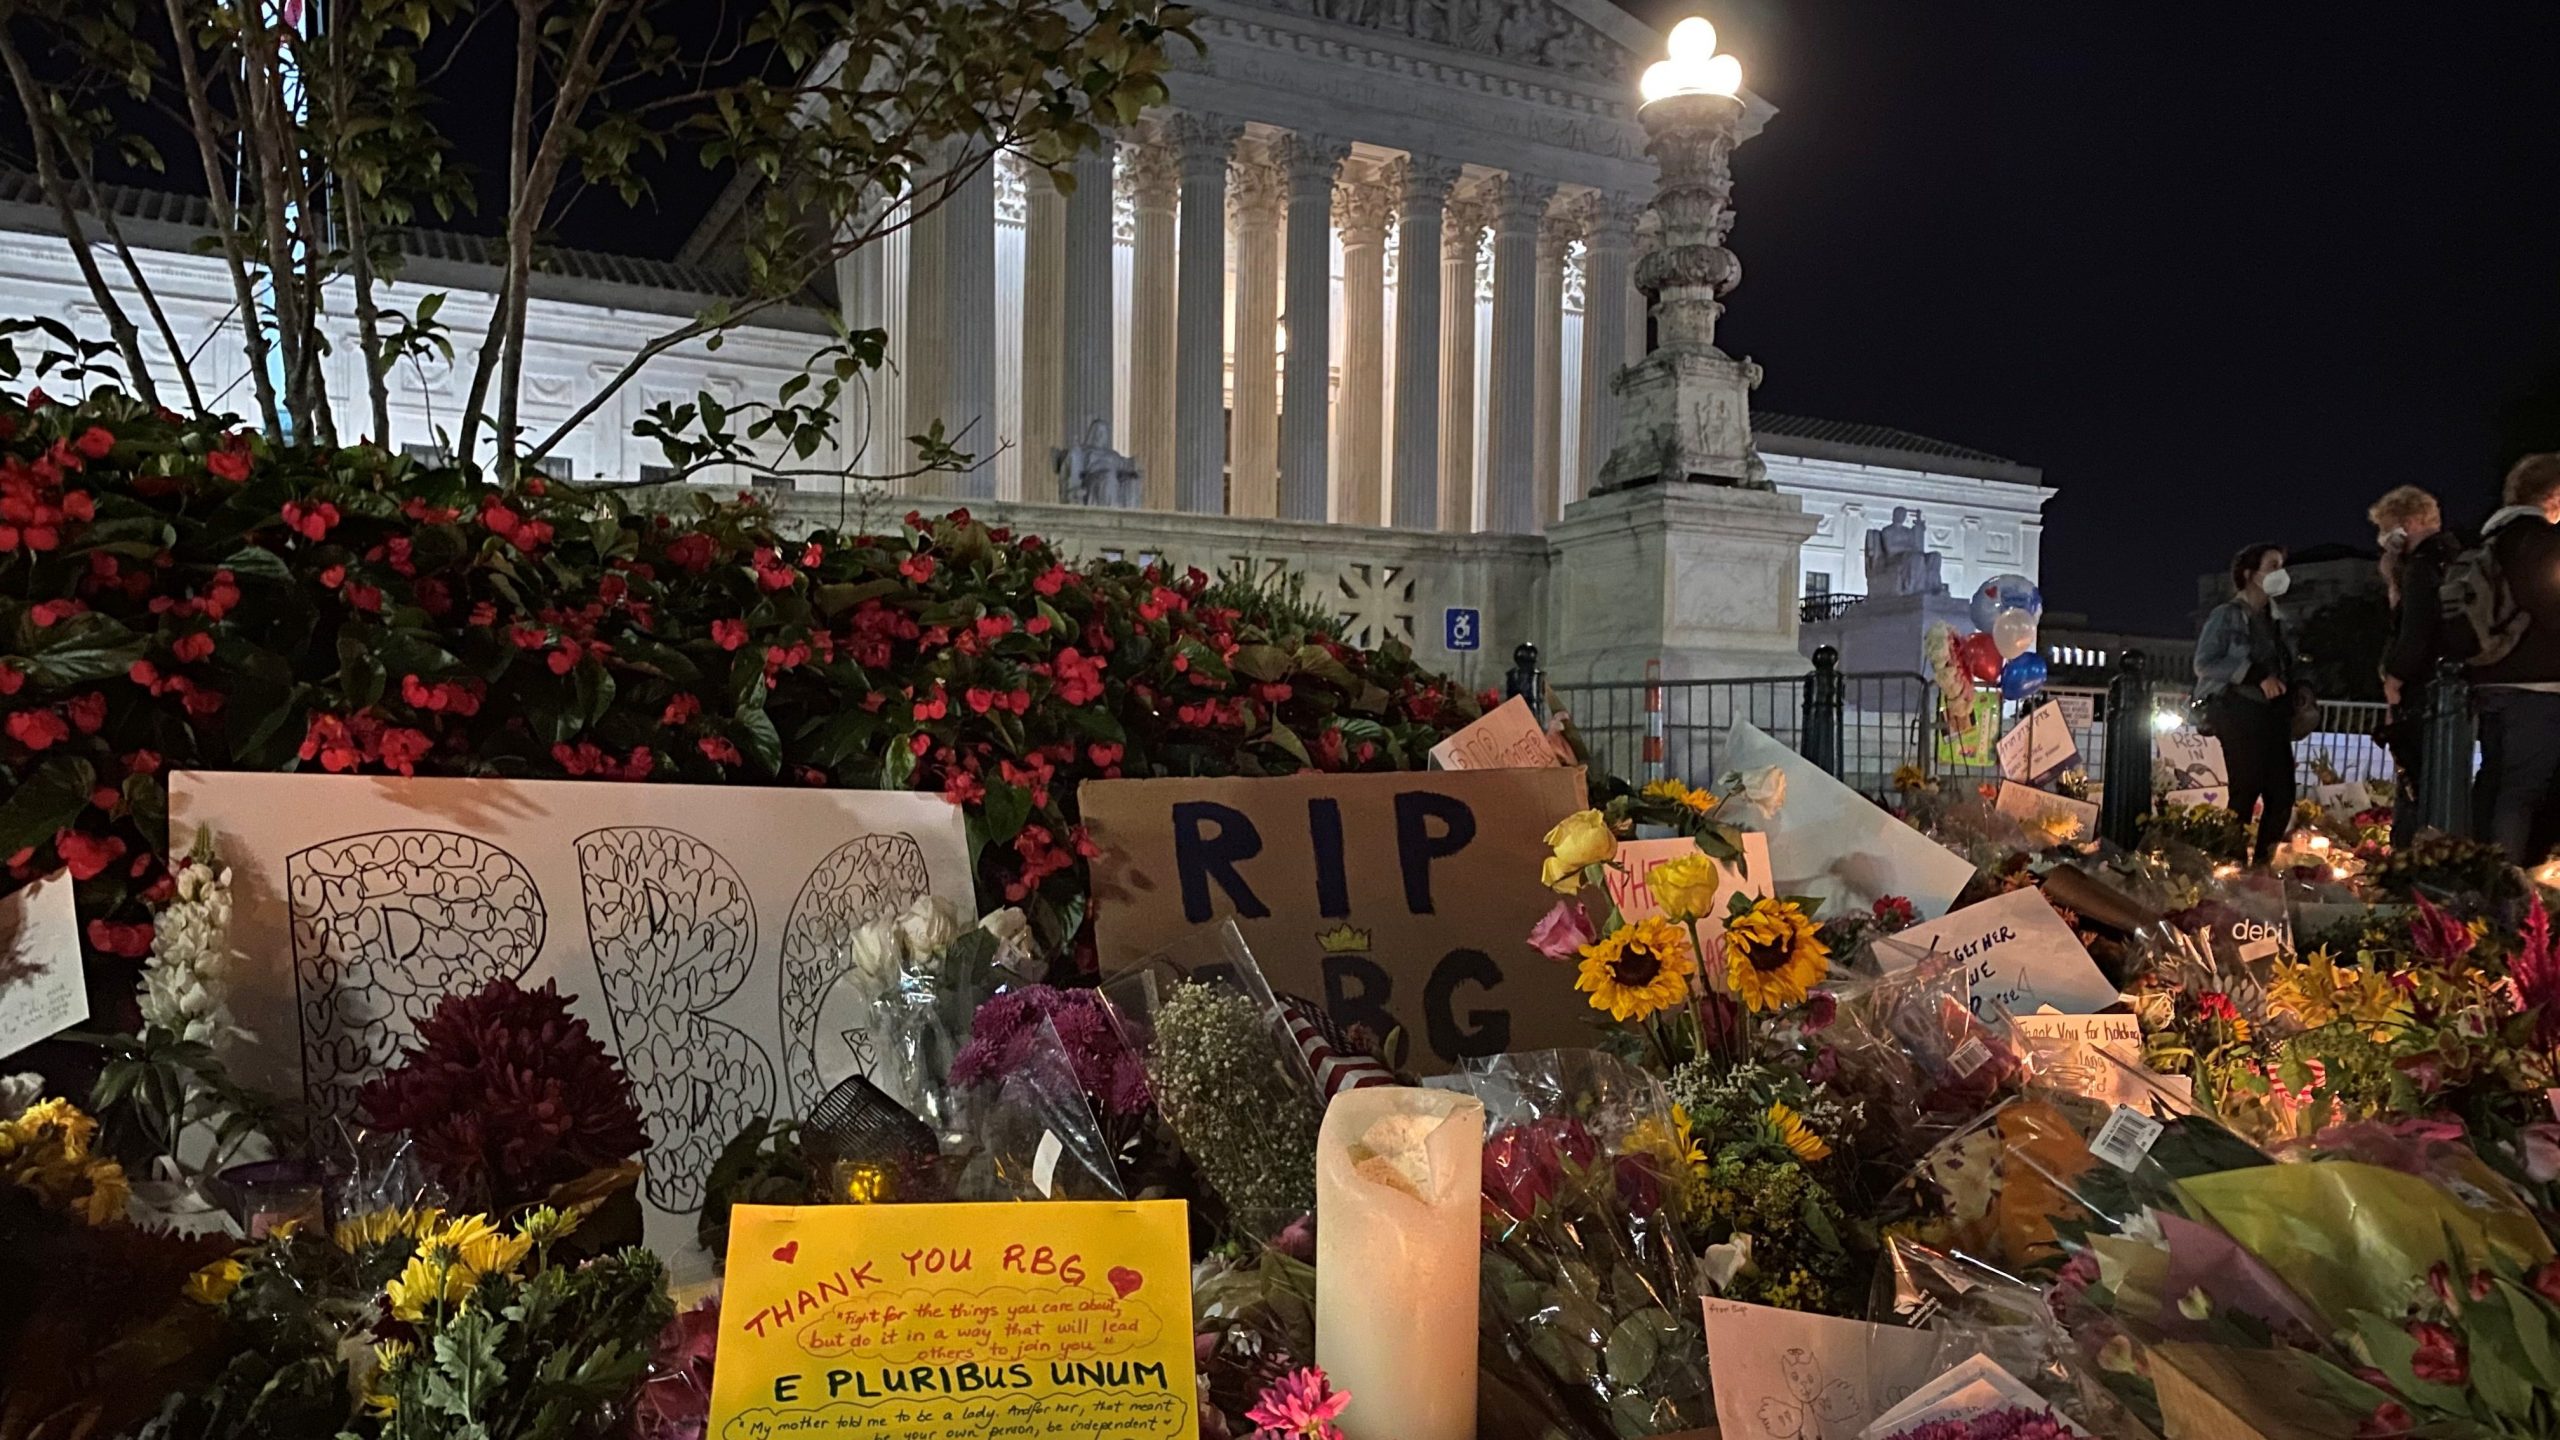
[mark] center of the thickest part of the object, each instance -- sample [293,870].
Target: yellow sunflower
[1680,793]
[1773,956]
[1640,969]
[381,1227]
[1796,1135]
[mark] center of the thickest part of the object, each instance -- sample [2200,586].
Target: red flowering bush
[179,594]
[506,1096]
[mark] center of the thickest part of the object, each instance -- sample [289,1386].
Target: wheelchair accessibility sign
[1464,630]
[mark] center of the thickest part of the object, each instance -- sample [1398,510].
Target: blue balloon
[2023,676]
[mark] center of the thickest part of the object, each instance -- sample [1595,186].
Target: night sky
[2226,272]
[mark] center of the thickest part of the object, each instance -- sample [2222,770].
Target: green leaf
[46,803]
[252,562]
[761,742]
[1286,740]
[77,650]
[2533,1334]
[1634,1347]
[1265,663]
[1007,809]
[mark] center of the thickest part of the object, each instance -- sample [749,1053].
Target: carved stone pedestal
[1700,577]
[1684,415]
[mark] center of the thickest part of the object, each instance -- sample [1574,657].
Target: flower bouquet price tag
[2125,1138]
[936,1322]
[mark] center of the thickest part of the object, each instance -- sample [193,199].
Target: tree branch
[226,220]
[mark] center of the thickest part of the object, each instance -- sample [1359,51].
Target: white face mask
[2395,539]
[2275,582]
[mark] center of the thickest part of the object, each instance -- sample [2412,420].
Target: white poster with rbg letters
[701,929]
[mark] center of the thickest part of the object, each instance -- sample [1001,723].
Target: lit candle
[1398,1172]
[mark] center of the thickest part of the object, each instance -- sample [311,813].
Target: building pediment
[1591,40]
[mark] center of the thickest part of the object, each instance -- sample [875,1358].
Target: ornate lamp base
[1685,416]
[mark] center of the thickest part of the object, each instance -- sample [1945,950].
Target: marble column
[925,361]
[1360,210]
[1306,482]
[1556,234]
[969,329]
[1511,436]
[1470,209]
[1153,180]
[1044,317]
[862,290]
[1086,351]
[1256,188]
[1423,184]
[1608,239]
[1206,144]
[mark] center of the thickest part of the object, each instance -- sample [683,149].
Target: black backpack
[2482,622]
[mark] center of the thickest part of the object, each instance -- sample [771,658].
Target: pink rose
[1562,932]
[2540,1143]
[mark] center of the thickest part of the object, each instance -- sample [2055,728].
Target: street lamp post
[1685,409]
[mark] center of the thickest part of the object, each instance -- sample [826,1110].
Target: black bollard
[2444,753]
[2128,759]
[1826,707]
[1525,680]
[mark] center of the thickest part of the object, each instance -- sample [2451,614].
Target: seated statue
[1899,561]
[1092,473]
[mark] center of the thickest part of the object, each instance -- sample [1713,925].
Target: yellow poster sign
[935,1322]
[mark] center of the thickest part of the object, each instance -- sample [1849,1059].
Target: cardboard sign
[40,984]
[1966,737]
[1391,900]
[2035,808]
[2195,761]
[2018,952]
[2080,712]
[1636,859]
[937,1322]
[1509,737]
[1794,1375]
[700,928]
[1829,842]
[2099,1056]
[2038,746]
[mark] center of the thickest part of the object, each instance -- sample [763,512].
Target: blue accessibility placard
[1464,629]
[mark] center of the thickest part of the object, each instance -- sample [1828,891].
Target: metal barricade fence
[1646,730]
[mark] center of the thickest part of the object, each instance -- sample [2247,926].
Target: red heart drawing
[1125,1280]
[789,1252]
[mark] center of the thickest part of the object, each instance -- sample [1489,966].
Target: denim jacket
[2240,647]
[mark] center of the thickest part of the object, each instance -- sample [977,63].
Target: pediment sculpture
[1530,32]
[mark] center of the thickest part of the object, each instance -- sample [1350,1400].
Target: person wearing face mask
[2244,681]
[2516,800]
[2409,526]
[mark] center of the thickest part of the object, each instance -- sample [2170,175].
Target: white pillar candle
[1398,1171]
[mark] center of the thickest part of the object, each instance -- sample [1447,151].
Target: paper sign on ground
[2195,761]
[1833,844]
[2183,799]
[2343,800]
[2099,1056]
[1792,1375]
[938,1322]
[2038,746]
[1636,858]
[1390,899]
[40,986]
[2037,809]
[1509,737]
[701,929]
[2017,953]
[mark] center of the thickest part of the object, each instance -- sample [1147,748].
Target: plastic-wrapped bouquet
[920,975]
[1588,1275]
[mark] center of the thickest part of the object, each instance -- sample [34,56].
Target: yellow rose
[214,1283]
[1685,888]
[1580,840]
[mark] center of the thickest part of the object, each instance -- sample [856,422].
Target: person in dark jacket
[2516,801]
[2244,673]
[2409,526]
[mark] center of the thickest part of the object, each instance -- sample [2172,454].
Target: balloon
[1982,657]
[2022,677]
[2014,632]
[2005,592]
